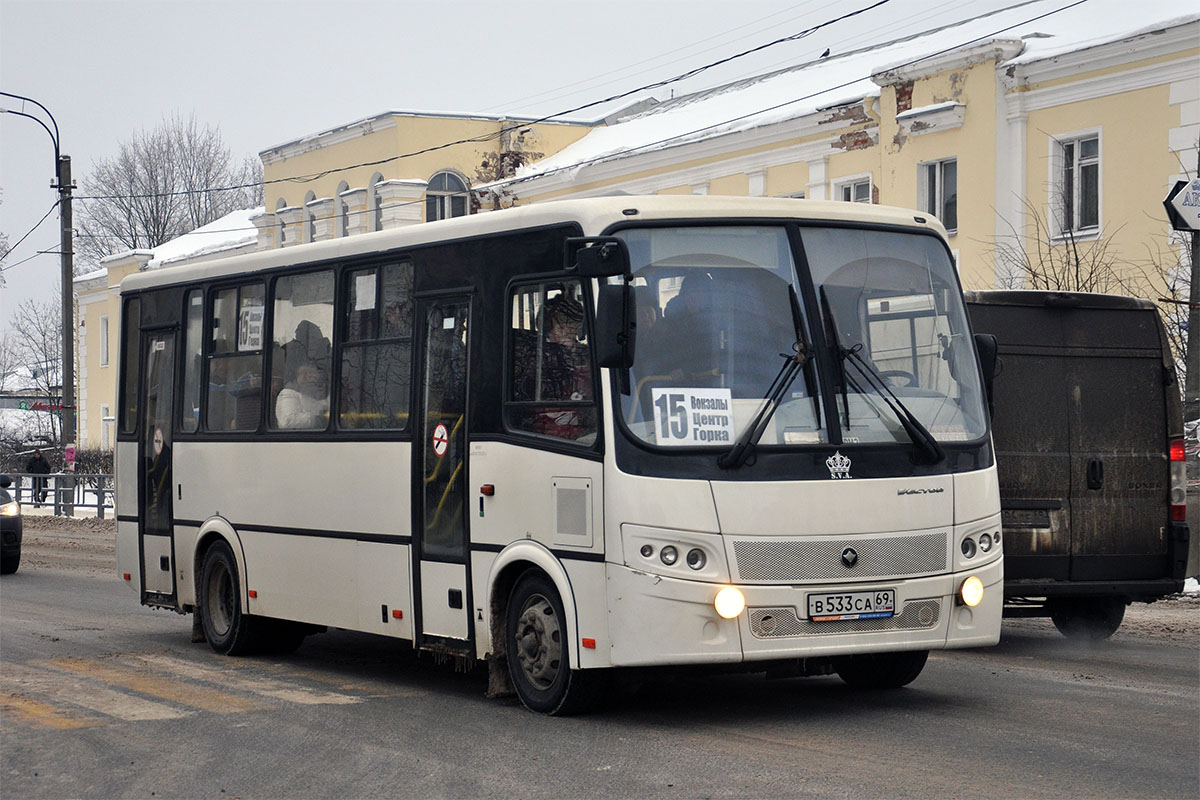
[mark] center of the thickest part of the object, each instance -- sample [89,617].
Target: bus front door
[155,539]
[440,448]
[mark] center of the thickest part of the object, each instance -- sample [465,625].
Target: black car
[10,529]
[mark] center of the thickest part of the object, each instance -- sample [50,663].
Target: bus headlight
[668,555]
[971,592]
[730,602]
[12,509]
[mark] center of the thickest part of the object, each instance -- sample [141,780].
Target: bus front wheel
[228,630]
[536,647]
[881,670]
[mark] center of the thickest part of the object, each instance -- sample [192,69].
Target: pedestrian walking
[37,465]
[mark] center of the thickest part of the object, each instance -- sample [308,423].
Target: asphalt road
[102,698]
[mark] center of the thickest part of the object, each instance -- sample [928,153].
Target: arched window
[341,212]
[445,197]
[373,205]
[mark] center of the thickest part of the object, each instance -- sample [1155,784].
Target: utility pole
[62,173]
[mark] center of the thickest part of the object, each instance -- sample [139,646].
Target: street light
[62,168]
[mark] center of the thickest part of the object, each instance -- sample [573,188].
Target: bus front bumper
[657,620]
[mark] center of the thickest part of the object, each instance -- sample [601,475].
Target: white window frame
[1062,227]
[107,423]
[104,341]
[442,198]
[931,193]
[851,182]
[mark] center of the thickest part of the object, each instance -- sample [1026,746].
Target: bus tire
[881,670]
[536,647]
[227,628]
[9,564]
[1088,618]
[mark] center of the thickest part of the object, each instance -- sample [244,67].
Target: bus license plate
[852,605]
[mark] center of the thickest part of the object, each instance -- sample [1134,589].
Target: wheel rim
[220,599]
[539,642]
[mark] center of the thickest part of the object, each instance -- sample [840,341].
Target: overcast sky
[267,72]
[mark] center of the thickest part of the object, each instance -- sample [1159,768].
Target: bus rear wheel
[228,630]
[536,646]
[881,670]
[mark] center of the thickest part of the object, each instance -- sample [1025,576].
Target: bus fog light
[696,558]
[647,550]
[971,592]
[730,602]
[669,555]
[985,542]
[968,547]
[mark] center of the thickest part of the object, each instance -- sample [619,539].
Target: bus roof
[594,215]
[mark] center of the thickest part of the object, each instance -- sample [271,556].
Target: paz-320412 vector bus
[618,432]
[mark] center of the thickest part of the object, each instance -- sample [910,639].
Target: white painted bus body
[284,508]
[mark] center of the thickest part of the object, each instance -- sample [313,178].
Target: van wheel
[9,564]
[536,646]
[1088,618]
[881,670]
[228,630]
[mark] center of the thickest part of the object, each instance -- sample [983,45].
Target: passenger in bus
[304,401]
[309,345]
[686,334]
[158,482]
[566,372]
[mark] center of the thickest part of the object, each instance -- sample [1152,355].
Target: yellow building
[395,168]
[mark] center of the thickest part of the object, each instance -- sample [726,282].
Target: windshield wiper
[920,435]
[794,363]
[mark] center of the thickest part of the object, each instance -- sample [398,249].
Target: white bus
[616,432]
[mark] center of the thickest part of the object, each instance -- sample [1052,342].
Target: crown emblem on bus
[839,466]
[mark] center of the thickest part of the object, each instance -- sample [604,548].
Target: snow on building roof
[847,78]
[229,232]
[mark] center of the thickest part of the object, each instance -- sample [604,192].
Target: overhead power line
[30,231]
[516,126]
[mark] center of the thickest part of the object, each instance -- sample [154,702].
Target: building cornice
[998,50]
[1020,103]
[1156,44]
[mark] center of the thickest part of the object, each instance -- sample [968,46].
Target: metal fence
[66,491]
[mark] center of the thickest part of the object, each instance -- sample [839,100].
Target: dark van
[1088,431]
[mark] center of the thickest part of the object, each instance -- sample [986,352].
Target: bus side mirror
[987,348]
[597,256]
[5,481]
[615,332]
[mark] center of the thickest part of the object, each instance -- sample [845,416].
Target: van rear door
[1115,380]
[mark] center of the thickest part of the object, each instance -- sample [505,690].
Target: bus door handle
[1095,474]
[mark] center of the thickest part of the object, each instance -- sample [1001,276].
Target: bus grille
[777,623]
[821,559]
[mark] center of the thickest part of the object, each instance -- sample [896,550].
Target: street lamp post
[62,171]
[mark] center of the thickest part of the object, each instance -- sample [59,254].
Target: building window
[374,207]
[341,212]
[104,341]
[856,191]
[1078,184]
[106,422]
[938,187]
[445,197]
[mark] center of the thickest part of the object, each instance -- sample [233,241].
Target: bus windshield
[720,314]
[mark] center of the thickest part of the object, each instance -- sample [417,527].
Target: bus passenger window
[235,363]
[551,388]
[375,373]
[301,353]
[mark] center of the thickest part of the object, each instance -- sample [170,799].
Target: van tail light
[1178,481]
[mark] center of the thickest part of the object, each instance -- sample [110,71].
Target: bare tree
[34,349]
[161,184]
